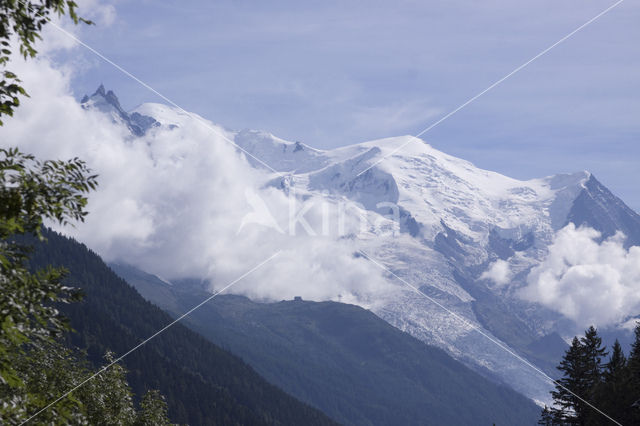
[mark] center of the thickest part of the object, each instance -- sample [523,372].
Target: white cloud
[172,202]
[100,13]
[589,282]
[498,272]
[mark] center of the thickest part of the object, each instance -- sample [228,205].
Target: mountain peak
[102,95]
[99,90]
[563,180]
[111,98]
[107,102]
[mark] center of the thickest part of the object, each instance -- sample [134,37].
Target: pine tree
[613,394]
[571,384]
[546,417]
[593,354]
[582,374]
[633,366]
[616,366]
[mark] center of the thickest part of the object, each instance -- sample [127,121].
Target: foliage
[612,387]
[24,20]
[30,192]
[114,404]
[46,372]
[107,399]
[153,410]
[35,369]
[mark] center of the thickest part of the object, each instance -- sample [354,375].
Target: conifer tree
[582,374]
[546,417]
[593,353]
[572,383]
[592,356]
[616,366]
[633,366]
[614,387]
[613,394]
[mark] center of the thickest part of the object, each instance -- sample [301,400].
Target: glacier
[454,221]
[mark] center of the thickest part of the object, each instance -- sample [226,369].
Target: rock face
[455,220]
[598,208]
[108,103]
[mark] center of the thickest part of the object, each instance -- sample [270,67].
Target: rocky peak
[107,102]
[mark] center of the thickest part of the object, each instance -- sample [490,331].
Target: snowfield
[467,238]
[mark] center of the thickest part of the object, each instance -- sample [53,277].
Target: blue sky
[331,73]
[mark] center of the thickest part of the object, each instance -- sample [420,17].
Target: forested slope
[343,359]
[203,383]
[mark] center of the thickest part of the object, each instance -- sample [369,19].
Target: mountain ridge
[342,359]
[454,222]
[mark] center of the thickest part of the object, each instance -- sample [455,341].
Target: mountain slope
[343,359]
[204,384]
[464,219]
[598,208]
[450,223]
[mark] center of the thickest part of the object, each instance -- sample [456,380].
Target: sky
[333,73]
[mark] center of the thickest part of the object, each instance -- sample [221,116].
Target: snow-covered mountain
[467,238]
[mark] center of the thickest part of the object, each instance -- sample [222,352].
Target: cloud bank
[590,282]
[172,202]
[498,272]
